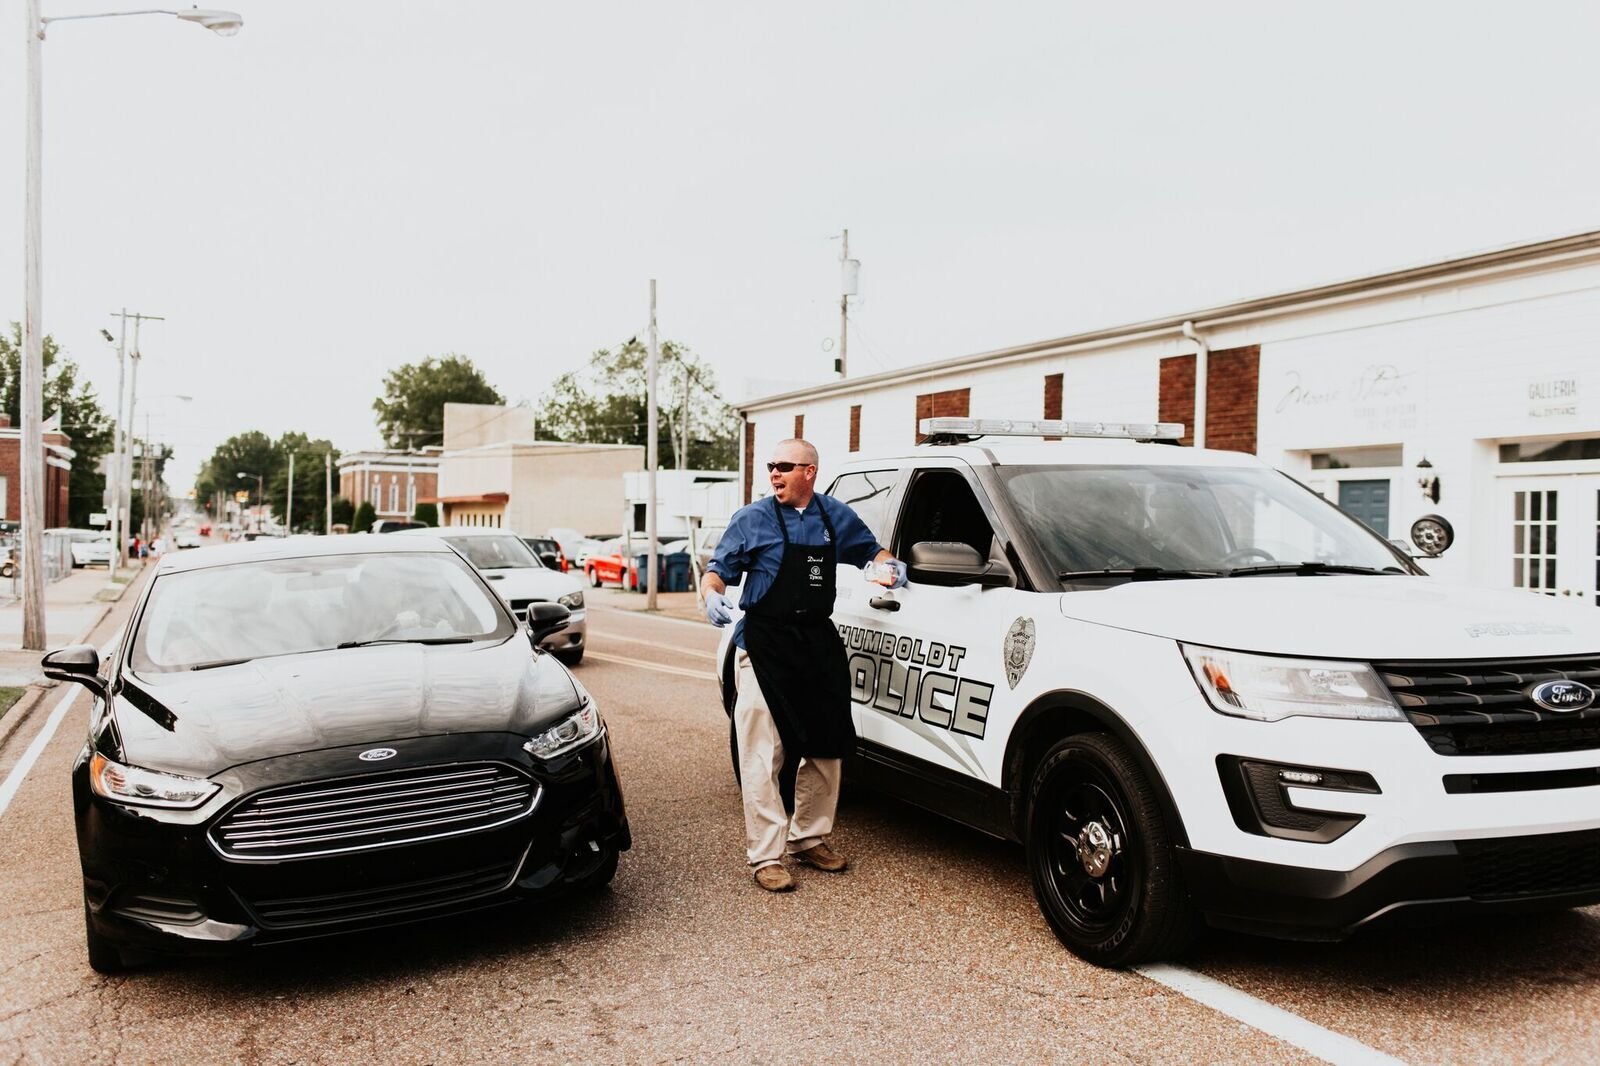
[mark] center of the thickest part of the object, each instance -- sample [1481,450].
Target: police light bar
[1048,427]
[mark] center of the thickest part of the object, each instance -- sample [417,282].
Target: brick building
[394,482]
[58,456]
[1467,387]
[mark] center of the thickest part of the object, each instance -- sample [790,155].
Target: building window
[855,427]
[1356,458]
[411,498]
[5,495]
[377,496]
[799,427]
[1549,451]
[394,494]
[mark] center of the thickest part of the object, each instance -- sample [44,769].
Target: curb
[12,720]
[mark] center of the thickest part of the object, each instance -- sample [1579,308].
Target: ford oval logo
[1563,696]
[379,754]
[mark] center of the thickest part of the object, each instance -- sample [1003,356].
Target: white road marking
[610,637]
[13,780]
[1292,1029]
[678,671]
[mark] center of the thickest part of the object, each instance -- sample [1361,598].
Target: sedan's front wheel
[1102,861]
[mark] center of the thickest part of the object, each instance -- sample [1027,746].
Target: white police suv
[1193,689]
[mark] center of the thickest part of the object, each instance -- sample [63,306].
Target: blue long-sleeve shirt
[752,545]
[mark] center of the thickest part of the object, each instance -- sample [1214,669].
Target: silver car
[514,572]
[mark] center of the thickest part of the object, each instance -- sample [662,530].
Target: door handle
[884,603]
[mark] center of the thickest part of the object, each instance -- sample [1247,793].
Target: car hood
[199,723]
[531,583]
[1380,618]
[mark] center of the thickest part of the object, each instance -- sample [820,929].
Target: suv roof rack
[964,430]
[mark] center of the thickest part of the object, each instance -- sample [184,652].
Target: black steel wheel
[1103,866]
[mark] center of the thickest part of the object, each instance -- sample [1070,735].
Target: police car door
[928,678]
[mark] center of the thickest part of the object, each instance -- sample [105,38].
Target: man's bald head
[793,487]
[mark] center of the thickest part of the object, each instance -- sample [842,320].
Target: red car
[607,565]
[205,530]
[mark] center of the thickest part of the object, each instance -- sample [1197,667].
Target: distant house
[394,482]
[58,456]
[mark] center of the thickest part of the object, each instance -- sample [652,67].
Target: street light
[225,23]
[258,497]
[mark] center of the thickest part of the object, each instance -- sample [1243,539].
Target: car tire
[570,657]
[104,956]
[1112,894]
[594,578]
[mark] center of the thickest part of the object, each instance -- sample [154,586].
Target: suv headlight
[1269,689]
[572,601]
[147,788]
[573,731]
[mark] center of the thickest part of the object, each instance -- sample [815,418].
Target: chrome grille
[381,810]
[1482,707]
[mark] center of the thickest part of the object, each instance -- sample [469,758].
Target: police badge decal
[1018,650]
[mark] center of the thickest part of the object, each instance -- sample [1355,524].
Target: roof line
[1574,245]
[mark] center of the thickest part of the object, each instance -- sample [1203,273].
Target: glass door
[1554,526]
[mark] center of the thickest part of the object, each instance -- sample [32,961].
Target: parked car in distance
[521,580]
[549,552]
[395,525]
[187,537]
[90,547]
[606,565]
[319,735]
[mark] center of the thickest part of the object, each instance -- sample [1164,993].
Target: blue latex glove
[719,609]
[899,573]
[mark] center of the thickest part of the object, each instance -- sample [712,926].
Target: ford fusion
[306,737]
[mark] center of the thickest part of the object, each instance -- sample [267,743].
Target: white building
[685,499]
[1468,388]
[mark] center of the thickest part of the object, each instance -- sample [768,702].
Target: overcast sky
[350,185]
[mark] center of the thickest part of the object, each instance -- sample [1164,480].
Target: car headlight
[1268,688]
[147,788]
[573,731]
[572,601]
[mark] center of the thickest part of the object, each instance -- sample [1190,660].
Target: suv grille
[382,901]
[1481,707]
[519,607]
[354,814]
[1546,865]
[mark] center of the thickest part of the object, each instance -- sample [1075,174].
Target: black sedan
[312,736]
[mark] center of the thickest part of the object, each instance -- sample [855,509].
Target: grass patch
[9,695]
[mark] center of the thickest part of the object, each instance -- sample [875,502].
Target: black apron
[796,654]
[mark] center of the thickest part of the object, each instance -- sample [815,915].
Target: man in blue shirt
[791,672]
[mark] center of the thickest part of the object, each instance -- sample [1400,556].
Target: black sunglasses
[783,468]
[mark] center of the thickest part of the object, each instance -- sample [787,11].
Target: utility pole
[122,437]
[683,454]
[650,455]
[288,508]
[844,310]
[32,458]
[327,493]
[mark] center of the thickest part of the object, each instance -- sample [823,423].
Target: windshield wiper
[405,640]
[1137,573]
[220,662]
[1310,566]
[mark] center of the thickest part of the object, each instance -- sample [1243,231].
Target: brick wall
[855,427]
[749,457]
[1233,380]
[1176,402]
[952,403]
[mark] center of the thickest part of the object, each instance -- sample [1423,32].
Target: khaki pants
[768,829]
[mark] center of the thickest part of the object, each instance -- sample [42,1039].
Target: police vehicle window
[1182,518]
[868,494]
[942,506]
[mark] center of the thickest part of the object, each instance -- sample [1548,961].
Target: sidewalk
[72,606]
[683,605]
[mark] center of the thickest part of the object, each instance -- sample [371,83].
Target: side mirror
[951,563]
[1432,534]
[76,662]
[547,618]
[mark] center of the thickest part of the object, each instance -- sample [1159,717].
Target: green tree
[365,515]
[411,409]
[309,480]
[344,512]
[607,402]
[82,419]
[427,514]
[251,452]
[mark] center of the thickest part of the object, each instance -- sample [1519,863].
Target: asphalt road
[929,949]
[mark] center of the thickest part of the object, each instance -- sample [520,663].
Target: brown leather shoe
[822,857]
[774,878]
